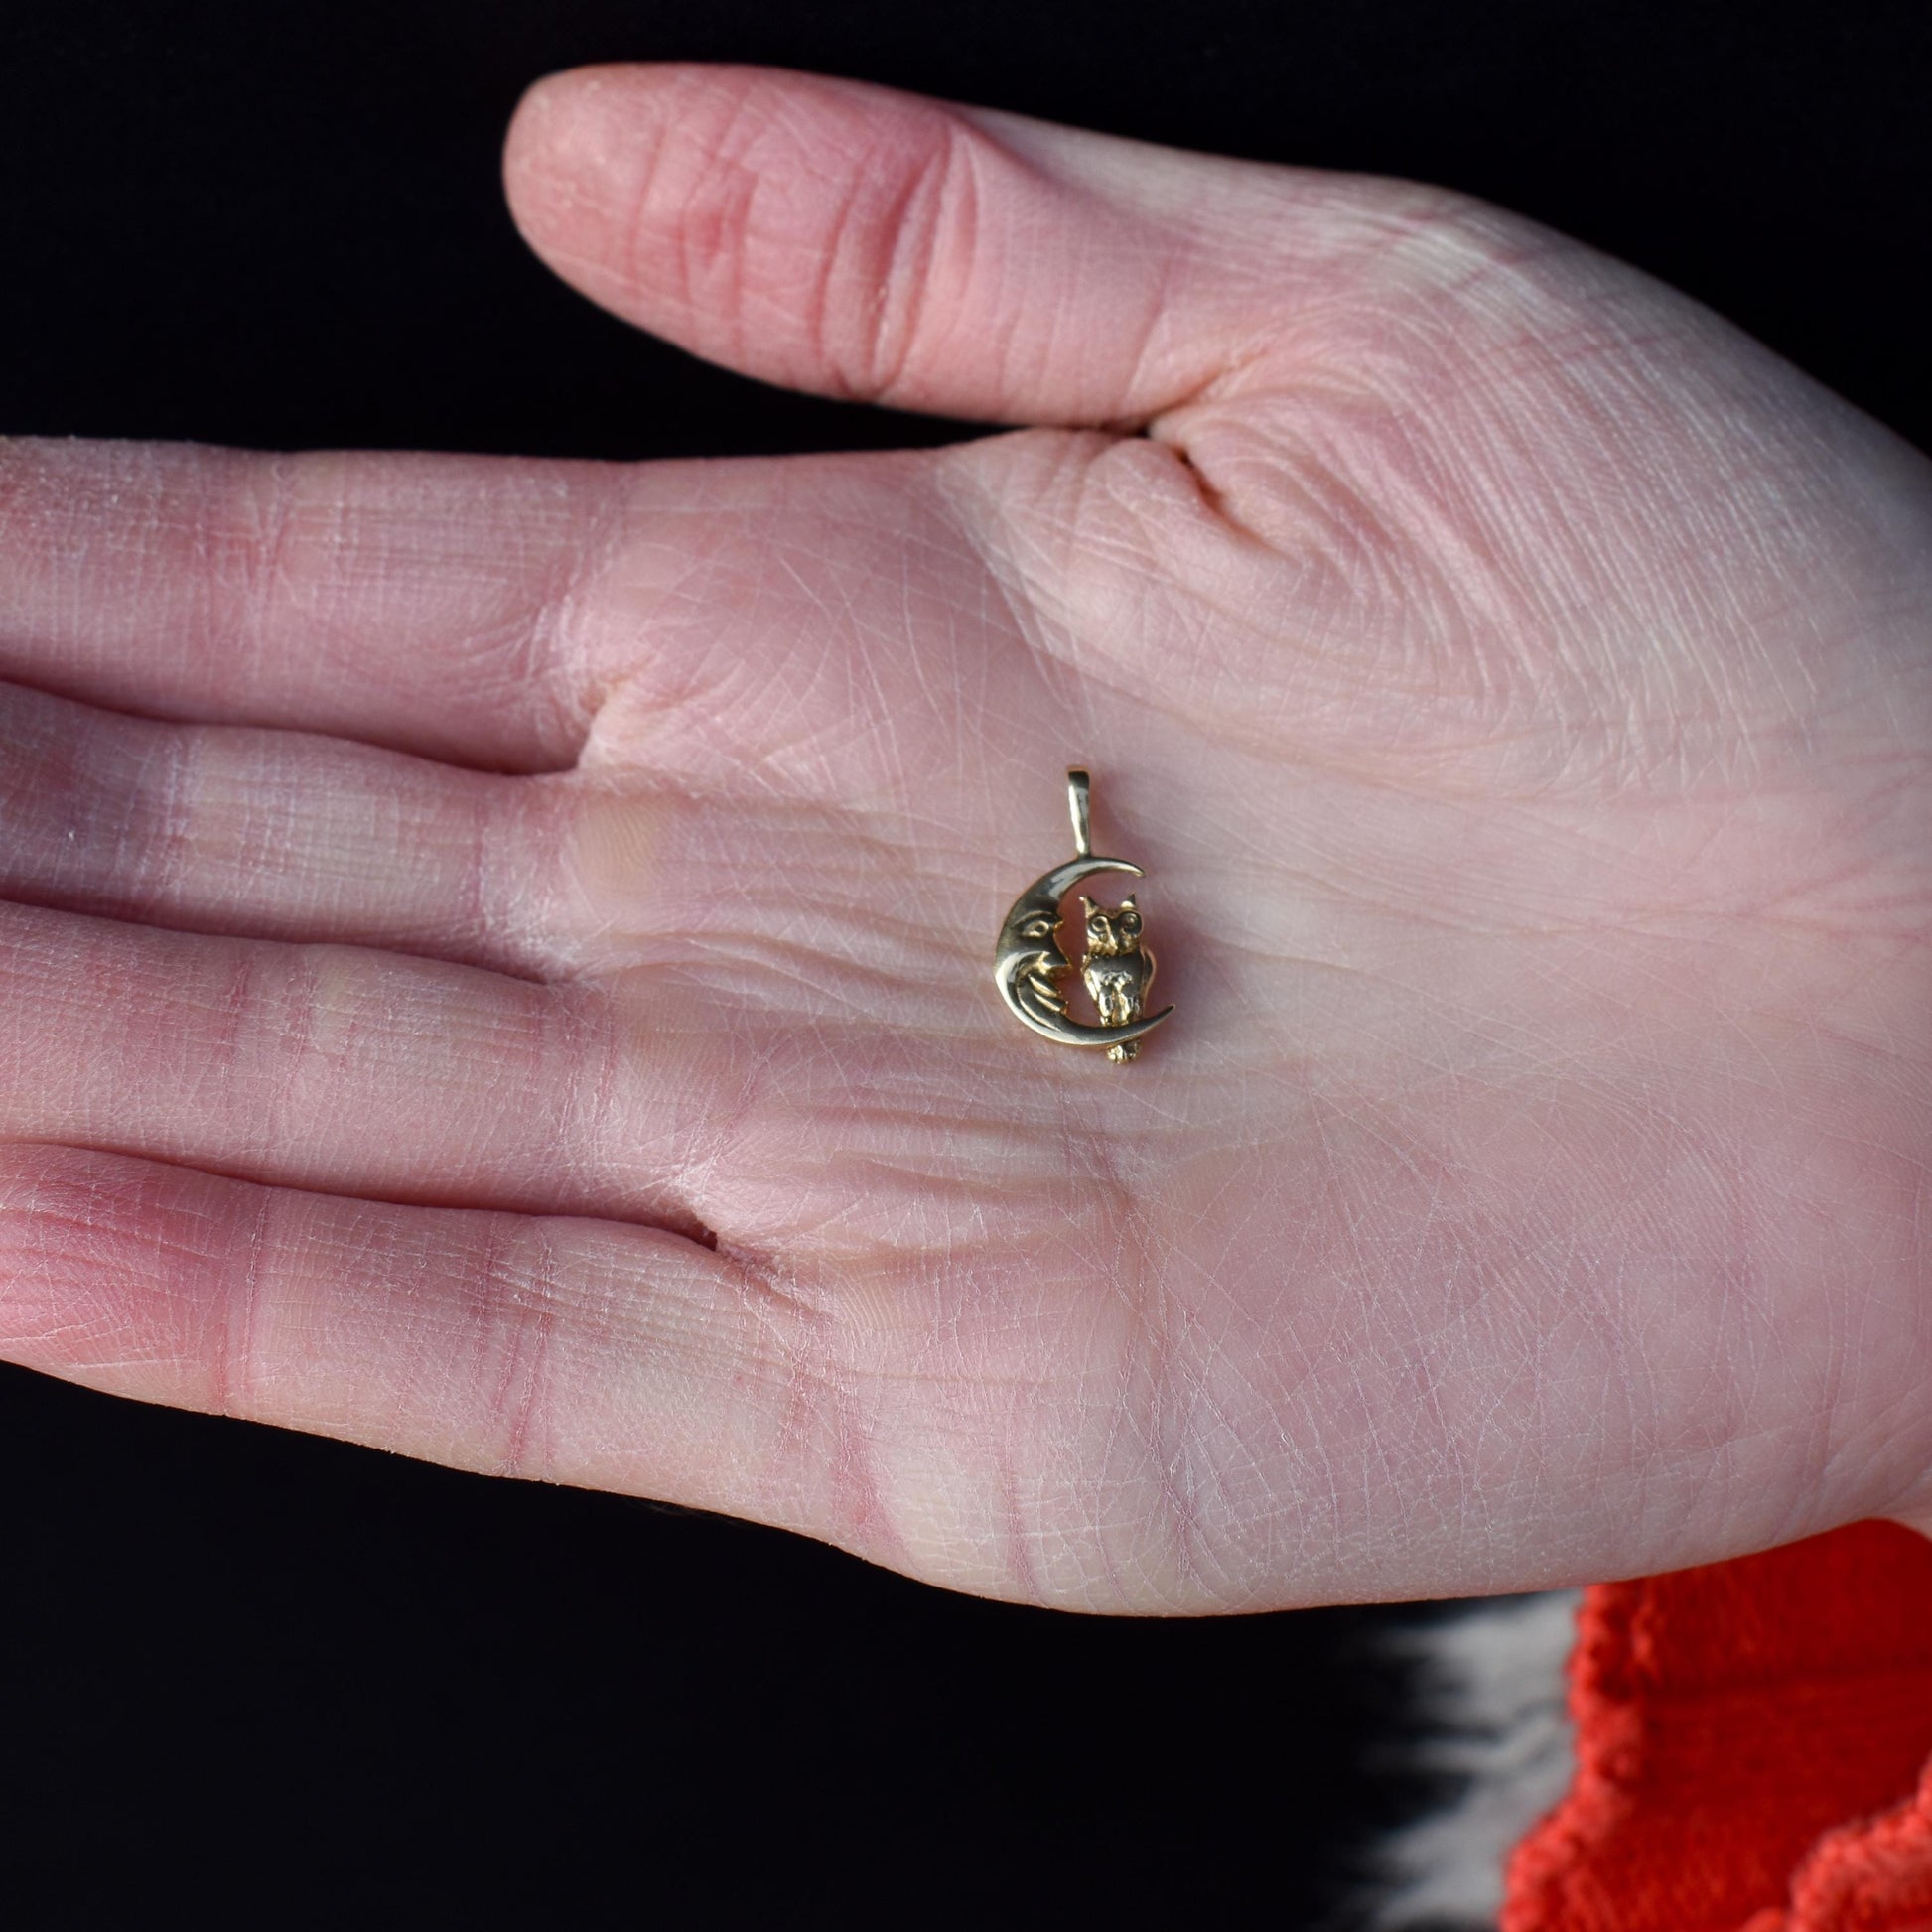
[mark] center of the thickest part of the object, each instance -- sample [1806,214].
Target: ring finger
[345,1071]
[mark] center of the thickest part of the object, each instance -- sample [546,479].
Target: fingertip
[566,145]
[98,1257]
[711,204]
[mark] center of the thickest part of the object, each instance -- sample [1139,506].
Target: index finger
[419,602]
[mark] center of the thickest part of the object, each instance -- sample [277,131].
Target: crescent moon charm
[1028,963]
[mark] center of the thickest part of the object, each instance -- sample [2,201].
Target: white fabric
[1492,1690]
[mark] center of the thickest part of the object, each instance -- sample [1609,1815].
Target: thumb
[863,243]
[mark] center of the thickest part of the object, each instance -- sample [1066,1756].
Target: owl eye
[1038,928]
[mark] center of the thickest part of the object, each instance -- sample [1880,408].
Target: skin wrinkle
[294,1023]
[1058,692]
[827,1398]
[554,656]
[711,222]
[234,1310]
[1024,1577]
[591,1130]
[1367,485]
[718,697]
[524,1396]
[866,696]
[33,1217]
[928,216]
[1152,347]
[531,652]
[265,507]
[1204,1455]
[1060,668]
[487,892]
[699,1177]
[154,840]
[707,229]
[1133,1283]
[593,1134]
[1050,633]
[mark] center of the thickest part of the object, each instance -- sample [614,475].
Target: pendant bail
[1079,803]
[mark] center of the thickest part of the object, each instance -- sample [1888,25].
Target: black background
[258,1679]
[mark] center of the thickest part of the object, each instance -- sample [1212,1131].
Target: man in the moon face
[1045,963]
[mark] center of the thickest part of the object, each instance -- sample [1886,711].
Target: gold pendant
[1029,964]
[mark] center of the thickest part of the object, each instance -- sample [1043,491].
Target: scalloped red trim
[1750,1738]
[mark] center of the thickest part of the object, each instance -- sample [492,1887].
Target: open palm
[496,954]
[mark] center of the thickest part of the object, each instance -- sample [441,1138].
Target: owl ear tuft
[1126,904]
[1088,903]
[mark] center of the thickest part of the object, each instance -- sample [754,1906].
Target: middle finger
[267,834]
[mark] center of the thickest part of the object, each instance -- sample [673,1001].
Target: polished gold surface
[1028,963]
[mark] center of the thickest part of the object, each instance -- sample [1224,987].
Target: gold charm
[1029,964]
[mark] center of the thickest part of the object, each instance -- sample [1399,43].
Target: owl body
[1116,969]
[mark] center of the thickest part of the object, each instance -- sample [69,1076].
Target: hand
[497,953]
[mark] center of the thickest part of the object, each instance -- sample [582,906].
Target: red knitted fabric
[1869,1877]
[1748,1743]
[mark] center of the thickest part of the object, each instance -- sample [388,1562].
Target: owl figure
[1117,969]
